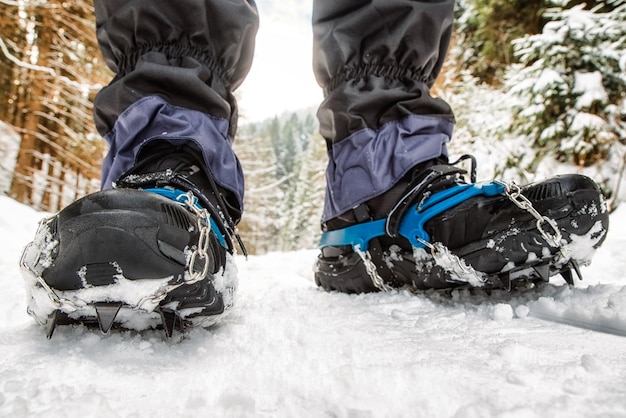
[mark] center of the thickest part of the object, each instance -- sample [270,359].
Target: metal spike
[169,319]
[106,313]
[505,279]
[544,271]
[566,273]
[574,265]
[52,323]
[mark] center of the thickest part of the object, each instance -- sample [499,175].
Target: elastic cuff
[172,51]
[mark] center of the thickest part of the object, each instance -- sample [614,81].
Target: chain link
[378,281]
[514,193]
[202,249]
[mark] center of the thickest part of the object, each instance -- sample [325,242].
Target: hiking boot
[154,252]
[434,230]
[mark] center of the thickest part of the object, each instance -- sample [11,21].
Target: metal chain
[202,250]
[378,281]
[188,200]
[514,193]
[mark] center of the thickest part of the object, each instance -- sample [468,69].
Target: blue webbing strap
[178,196]
[412,226]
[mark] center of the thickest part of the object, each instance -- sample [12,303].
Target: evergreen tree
[485,29]
[572,81]
[301,206]
[284,166]
[256,152]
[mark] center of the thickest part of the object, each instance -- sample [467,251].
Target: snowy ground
[291,350]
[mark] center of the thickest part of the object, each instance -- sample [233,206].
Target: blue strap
[412,226]
[178,196]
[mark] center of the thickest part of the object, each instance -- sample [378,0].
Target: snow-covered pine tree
[484,30]
[284,162]
[255,151]
[306,195]
[571,82]
[302,158]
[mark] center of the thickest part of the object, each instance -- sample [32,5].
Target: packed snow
[289,349]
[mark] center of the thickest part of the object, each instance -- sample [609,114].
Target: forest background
[538,87]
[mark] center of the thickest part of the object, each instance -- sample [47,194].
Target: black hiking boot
[435,231]
[154,252]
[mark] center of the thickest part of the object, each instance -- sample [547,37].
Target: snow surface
[289,349]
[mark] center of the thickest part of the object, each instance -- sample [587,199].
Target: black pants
[178,62]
